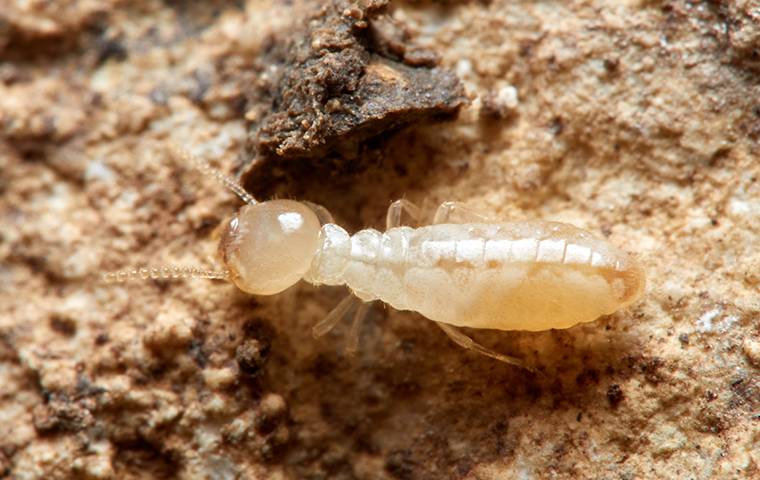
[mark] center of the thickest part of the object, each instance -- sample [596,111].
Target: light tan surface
[635,120]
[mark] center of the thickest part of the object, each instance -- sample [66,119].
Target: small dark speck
[684,339]
[95,99]
[101,339]
[710,395]
[714,222]
[526,49]
[756,110]
[407,346]
[110,48]
[257,328]
[85,387]
[533,391]
[196,352]
[579,417]
[63,325]
[611,64]
[206,225]
[587,376]
[651,370]
[251,356]
[557,126]
[615,394]
[500,428]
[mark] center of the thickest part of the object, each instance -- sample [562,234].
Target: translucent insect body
[460,271]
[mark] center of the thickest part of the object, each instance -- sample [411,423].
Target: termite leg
[321,212]
[352,343]
[466,342]
[393,217]
[335,316]
[458,212]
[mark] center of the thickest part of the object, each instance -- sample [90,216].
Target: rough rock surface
[638,120]
[327,93]
[341,75]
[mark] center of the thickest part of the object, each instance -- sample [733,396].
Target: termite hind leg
[466,342]
[393,217]
[352,342]
[458,212]
[336,315]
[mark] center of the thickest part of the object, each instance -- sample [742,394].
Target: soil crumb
[352,74]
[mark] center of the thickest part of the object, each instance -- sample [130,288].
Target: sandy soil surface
[637,120]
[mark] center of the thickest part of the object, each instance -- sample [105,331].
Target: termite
[463,270]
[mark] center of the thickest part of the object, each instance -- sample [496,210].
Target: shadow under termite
[409,376]
[388,167]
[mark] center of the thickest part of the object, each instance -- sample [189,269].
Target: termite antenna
[164,273]
[206,169]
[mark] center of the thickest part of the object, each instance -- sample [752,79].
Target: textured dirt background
[638,120]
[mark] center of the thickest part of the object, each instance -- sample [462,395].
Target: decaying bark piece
[349,76]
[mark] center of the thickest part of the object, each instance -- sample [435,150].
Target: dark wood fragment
[350,75]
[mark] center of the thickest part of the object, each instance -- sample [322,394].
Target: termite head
[269,246]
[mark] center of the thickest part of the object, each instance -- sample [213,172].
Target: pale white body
[531,275]
[509,276]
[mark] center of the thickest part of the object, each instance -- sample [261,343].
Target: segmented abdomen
[495,250]
[486,275]
[483,246]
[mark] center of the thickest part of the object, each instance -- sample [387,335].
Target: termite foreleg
[336,315]
[457,212]
[340,312]
[393,218]
[352,343]
[321,212]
